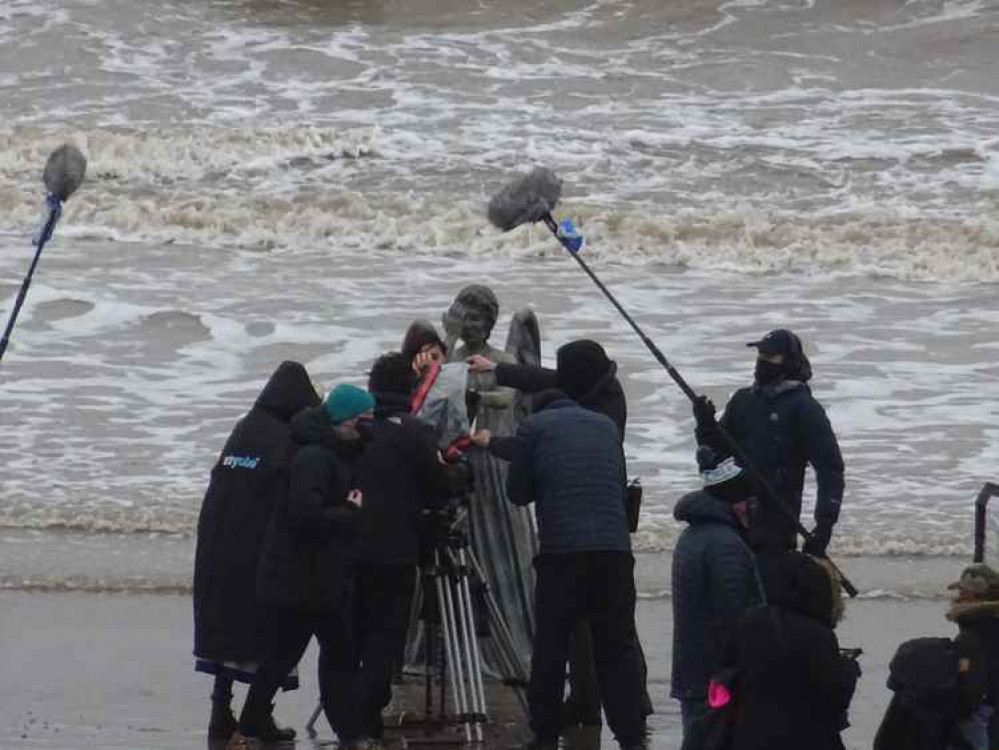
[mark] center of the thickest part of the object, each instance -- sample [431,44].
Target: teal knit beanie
[346,402]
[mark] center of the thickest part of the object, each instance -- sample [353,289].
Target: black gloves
[704,412]
[816,545]
[706,431]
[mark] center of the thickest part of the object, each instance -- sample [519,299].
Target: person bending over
[794,685]
[305,573]
[568,461]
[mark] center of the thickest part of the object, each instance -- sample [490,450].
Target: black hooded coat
[311,538]
[782,429]
[246,482]
[794,687]
[399,475]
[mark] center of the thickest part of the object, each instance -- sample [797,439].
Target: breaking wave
[293,188]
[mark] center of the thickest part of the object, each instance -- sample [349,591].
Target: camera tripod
[450,575]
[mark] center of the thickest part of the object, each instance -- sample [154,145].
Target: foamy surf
[287,189]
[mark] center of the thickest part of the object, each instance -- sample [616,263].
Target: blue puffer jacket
[568,460]
[714,581]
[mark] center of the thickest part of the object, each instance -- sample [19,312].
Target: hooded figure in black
[794,686]
[714,578]
[400,475]
[782,429]
[231,632]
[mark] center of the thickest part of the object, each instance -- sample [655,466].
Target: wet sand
[91,670]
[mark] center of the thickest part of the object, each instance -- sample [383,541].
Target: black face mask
[767,372]
[366,430]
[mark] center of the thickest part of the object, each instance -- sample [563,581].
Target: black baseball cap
[778,341]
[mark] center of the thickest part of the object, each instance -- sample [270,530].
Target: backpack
[923,713]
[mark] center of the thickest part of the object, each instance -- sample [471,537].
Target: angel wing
[523,343]
[524,339]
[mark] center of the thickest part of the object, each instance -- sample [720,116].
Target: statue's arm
[493,395]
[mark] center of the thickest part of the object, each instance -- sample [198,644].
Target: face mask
[767,372]
[365,430]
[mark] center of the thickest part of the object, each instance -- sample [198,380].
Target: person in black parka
[588,376]
[782,429]
[400,475]
[714,578]
[794,686]
[231,633]
[305,574]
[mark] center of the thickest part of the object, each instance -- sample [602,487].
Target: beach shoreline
[98,670]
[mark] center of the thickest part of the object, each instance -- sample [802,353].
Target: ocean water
[301,178]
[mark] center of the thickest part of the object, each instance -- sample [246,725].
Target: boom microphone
[525,200]
[64,172]
[532,198]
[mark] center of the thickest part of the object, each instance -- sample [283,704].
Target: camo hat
[978,581]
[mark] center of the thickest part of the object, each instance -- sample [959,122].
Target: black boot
[274,733]
[222,725]
[262,727]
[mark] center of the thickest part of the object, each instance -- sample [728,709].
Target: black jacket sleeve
[525,378]
[832,676]
[520,479]
[827,461]
[504,447]
[432,474]
[309,478]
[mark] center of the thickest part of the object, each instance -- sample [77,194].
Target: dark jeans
[691,709]
[583,691]
[570,588]
[382,597]
[294,630]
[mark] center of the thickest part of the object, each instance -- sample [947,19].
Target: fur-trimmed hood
[973,609]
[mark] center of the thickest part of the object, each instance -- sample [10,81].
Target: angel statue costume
[501,534]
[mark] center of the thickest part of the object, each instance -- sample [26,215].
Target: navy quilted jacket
[568,460]
[714,581]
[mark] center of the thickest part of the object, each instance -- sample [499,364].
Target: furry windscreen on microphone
[64,171]
[525,200]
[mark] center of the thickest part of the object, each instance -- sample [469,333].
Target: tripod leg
[513,665]
[310,726]
[471,647]
[450,643]
[499,625]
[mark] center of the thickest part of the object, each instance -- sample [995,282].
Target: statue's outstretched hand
[478,363]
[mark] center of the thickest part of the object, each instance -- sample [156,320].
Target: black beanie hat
[419,334]
[580,367]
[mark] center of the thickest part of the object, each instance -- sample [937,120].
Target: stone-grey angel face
[472,315]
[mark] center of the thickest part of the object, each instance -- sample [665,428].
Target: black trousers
[294,629]
[584,693]
[599,586]
[383,595]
